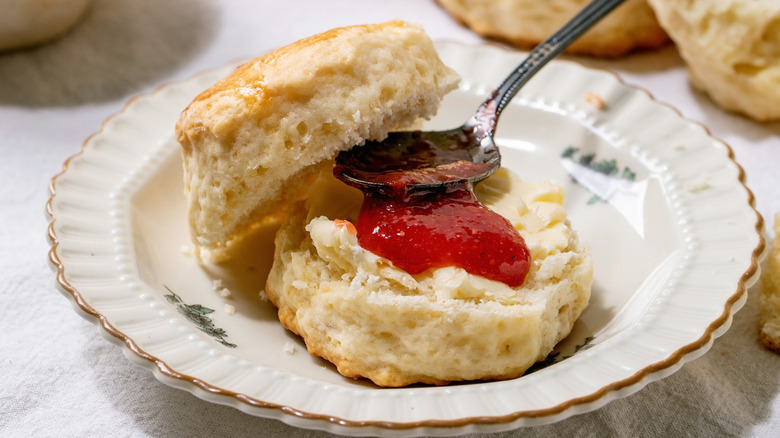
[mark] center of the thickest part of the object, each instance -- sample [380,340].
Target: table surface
[60,377]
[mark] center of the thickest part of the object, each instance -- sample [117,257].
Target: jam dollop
[444,228]
[433,228]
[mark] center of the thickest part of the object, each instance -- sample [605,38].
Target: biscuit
[526,23]
[731,49]
[26,23]
[769,298]
[252,143]
[374,320]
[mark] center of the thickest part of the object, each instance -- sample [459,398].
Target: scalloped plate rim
[300,418]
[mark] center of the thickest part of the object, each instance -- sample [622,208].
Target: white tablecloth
[59,377]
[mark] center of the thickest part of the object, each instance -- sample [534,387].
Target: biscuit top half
[253,142]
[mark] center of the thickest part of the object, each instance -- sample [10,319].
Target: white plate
[674,247]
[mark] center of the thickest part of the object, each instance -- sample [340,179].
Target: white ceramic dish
[675,239]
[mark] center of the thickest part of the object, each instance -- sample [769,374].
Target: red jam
[421,228]
[433,228]
[451,227]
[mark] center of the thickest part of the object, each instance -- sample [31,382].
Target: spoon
[426,160]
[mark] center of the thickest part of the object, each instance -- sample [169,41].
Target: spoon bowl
[417,160]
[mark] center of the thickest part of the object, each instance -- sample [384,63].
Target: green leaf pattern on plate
[196,314]
[603,166]
[553,358]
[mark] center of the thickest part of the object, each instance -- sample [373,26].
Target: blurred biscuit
[526,23]
[769,299]
[732,50]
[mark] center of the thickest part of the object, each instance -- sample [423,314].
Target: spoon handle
[538,58]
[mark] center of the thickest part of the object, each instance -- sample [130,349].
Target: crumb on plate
[698,184]
[595,100]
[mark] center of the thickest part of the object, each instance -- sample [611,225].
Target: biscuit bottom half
[373,320]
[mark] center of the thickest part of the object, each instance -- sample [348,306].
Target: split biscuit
[253,142]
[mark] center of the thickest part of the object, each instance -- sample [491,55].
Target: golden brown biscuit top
[285,63]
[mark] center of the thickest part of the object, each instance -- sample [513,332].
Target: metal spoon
[432,159]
